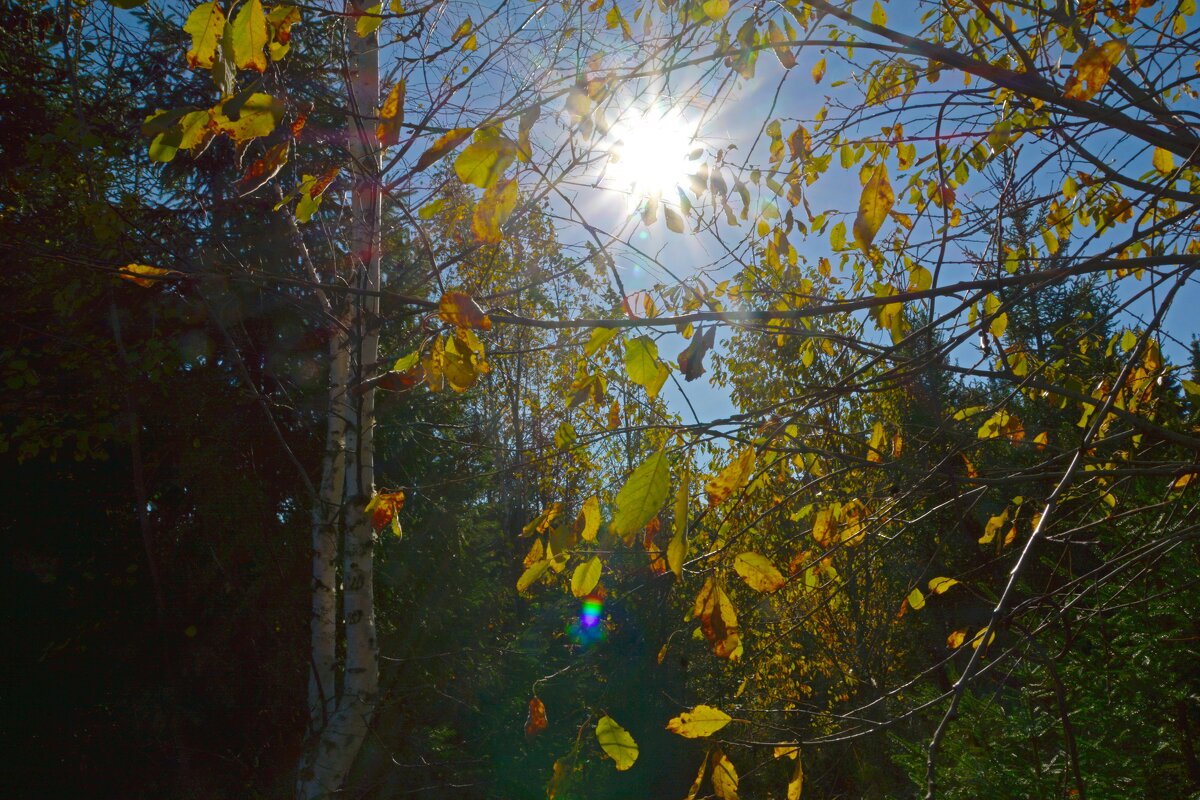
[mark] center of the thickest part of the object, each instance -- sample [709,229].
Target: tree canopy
[599,399]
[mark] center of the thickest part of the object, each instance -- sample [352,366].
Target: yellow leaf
[818,71]
[461,311]
[873,207]
[941,585]
[692,792]
[701,721]
[999,324]
[978,640]
[724,777]
[483,161]
[143,274]
[758,572]
[585,577]
[369,21]
[279,25]
[1180,483]
[718,621]
[616,742]
[956,639]
[256,117]
[463,30]
[994,526]
[391,116]
[443,145]
[777,38]
[530,575]
[1092,69]
[599,338]
[493,210]
[716,9]
[588,522]
[916,600]
[732,478]
[1164,161]
[796,783]
[677,548]
[878,15]
[249,37]
[205,24]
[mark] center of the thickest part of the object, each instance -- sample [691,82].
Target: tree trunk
[339,719]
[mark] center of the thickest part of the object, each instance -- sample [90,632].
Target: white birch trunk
[335,745]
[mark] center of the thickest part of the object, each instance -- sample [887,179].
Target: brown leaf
[691,360]
[261,171]
[718,620]
[536,722]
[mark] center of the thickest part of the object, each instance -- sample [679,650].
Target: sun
[649,154]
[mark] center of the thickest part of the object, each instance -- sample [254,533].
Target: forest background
[586,399]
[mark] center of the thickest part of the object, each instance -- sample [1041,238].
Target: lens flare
[589,628]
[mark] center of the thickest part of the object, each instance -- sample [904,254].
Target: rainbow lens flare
[589,628]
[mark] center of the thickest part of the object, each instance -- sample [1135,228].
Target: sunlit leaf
[758,572]
[732,478]
[443,145]
[249,36]
[642,496]
[818,71]
[695,788]
[777,38]
[383,509]
[391,116]
[873,207]
[585,577]
[279,26]
[532,574]
[678,546]
[204,24]
[1092,69]
[691,359]
[941,585]
[724,777]
[143,275]
[716,9]
[369,21]
[460,310]
[643,365]
[701,721]
[265,168]
[616,742]
[718,620]
[483,161]
[493,210]
[588,523]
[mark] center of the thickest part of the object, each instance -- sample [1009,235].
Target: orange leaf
[440,148]
[143,275]
[261,171]
[383,509]
[536,722]
[732,478]
[461,310]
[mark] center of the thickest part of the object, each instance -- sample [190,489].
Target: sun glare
[649,154]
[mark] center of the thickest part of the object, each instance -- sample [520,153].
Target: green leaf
[484,160]
[369,21]
[250,37]
[204,24]
[585,577]
[1191,388]
[642,496]
[616,742]
[599,338]
[643,365]
[677,548]
[535,571]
